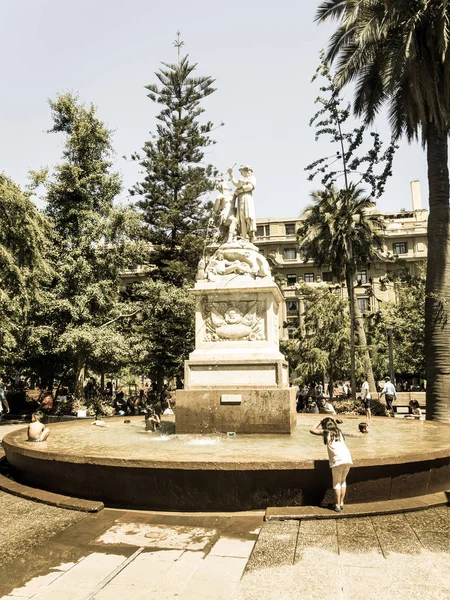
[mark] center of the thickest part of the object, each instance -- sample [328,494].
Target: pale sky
[262,55]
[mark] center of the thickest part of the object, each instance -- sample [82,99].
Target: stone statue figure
[224,206]
[244,197]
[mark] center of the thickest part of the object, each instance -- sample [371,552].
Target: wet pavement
[49,553]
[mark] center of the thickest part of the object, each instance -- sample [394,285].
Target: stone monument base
[236,410]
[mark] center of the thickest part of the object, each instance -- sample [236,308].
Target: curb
[23,491]
[386,507]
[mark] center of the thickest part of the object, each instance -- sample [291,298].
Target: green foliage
[162,334]
[23,246]
[339,230]
[366,165]
[322,343]
[355,407]
[406,318]
[397,53]
[77,321]
[176,179]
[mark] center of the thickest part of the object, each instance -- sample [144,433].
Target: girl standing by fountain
[338,455]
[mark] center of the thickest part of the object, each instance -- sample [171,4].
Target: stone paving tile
[206,590]
[123,592]
[428,520]
[355,550]
[221,568]
[179,575]
[318,527]
[158,536]
[276,545]
[394,522]
[310,545]
[404,542]
[355,526]
[88,573]
[232,547]
[142,573]
[434,541]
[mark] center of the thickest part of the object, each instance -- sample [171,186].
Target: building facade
[404,249]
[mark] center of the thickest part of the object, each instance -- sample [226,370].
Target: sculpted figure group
[237,255]
[236,210]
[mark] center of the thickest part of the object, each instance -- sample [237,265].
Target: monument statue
[237,255]
[244,198]
[236,379]
[225,207]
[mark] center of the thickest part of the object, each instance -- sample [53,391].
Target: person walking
[390,394]
[366,398]
[339,457]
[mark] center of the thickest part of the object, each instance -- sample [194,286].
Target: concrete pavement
[166,556]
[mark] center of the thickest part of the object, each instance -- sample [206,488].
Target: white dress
[338,453]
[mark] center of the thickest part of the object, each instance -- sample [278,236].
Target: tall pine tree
[176,178]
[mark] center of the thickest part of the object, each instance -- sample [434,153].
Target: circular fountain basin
[125,466]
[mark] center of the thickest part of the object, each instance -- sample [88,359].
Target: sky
[262,55]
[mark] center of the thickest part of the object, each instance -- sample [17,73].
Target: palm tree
[398,52]
[339,230]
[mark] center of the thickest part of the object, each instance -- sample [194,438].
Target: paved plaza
[50,553]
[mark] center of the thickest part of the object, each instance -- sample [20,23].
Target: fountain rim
[10,444]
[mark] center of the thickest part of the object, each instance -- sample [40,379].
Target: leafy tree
[361,157]
[406,319]
[23,263]
[322,342]
[338,230]
[176,179]
[398,53]
[162,334]
[355,163]
[78,320]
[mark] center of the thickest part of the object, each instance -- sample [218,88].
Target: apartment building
[404,248]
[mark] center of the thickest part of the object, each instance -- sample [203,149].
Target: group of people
[311,399]
[148,397]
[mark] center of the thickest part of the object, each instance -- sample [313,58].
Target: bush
[350,407]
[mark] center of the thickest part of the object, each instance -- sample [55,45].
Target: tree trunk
[437,300]
[362,345]
[79,376]
[349,281]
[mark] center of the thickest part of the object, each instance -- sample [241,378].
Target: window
[289,228]
[309,277]
[292,307]
[400,248]
[291,280]
[327,276]
[290,253]
[364,305]
[361,276]
[262,230]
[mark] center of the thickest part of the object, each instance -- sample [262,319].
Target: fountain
[236,381]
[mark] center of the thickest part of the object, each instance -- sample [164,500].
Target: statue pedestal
[236,379]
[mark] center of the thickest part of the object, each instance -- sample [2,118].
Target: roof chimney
[415,195]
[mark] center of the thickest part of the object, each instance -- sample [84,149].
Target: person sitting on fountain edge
[37,432]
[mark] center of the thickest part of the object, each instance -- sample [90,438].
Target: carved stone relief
[232,321]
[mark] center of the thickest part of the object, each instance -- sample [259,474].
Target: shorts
[367,403]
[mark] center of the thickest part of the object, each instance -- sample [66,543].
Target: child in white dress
[339,457]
